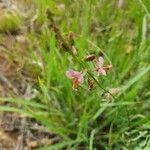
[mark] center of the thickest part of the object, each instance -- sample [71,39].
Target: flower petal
[70,74]
[102,71]
[75,84]
[80,79]
[100,61]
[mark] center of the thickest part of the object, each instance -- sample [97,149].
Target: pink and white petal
[102,71]
[76,74]
[81,79]
[100,61]
[70,74]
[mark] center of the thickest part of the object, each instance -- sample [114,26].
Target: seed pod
[91,85]
[90,57]
[107,68]
[71,36]
[74,50]
[112,91]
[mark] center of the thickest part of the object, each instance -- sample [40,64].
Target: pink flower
[99,66]
[77,77]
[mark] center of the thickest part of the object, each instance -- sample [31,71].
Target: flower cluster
[78,77]
[99,66]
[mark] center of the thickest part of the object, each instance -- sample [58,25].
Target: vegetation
[110,112]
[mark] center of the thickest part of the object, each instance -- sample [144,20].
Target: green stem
[90,74]
[100,85]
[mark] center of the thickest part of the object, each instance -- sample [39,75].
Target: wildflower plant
[108,110]
[78,77]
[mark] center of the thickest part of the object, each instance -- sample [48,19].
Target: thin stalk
[100,50]
[91,75]
[100,85]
